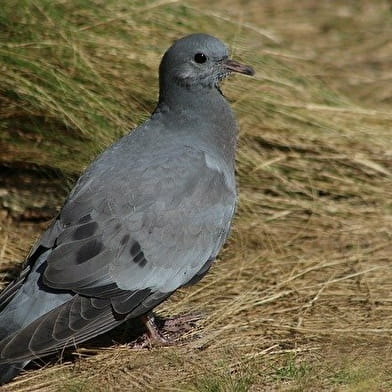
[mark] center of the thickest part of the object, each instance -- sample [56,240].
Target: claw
[154,334]
[173,328]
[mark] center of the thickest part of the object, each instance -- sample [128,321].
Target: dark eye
[200,58]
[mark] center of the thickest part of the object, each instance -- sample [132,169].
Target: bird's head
[198,61]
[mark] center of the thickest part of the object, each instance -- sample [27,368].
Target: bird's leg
[173,327]
[153,332]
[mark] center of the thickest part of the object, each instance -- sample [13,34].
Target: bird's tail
[21,303]
[9,371]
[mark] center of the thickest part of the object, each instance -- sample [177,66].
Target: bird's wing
[153,227]
[129,237]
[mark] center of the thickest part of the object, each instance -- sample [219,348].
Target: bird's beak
[234,66]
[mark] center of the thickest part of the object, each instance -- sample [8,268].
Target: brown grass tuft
[301,296]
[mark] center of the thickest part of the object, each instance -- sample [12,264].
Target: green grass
[223,381]
[292,370]
[77,385]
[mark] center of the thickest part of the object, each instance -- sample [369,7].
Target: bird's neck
[200,111]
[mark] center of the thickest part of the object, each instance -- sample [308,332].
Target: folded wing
[128,236]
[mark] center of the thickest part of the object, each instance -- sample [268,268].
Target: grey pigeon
[147,217]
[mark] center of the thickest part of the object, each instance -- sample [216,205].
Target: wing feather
[158,239]
[73,322]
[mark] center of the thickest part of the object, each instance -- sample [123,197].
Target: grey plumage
[148,216]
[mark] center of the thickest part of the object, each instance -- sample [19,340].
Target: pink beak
[238,67]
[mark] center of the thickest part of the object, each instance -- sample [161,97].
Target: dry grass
[300,299]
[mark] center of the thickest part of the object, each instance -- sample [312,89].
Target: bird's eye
[200,58]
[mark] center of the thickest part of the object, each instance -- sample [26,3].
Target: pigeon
[148,216]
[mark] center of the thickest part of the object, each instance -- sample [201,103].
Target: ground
[300,298]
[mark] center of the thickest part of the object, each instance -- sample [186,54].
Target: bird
[148,216]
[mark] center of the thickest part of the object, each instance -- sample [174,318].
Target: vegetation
[300,299]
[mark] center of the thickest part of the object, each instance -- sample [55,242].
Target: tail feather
[22,302]
[9,371]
